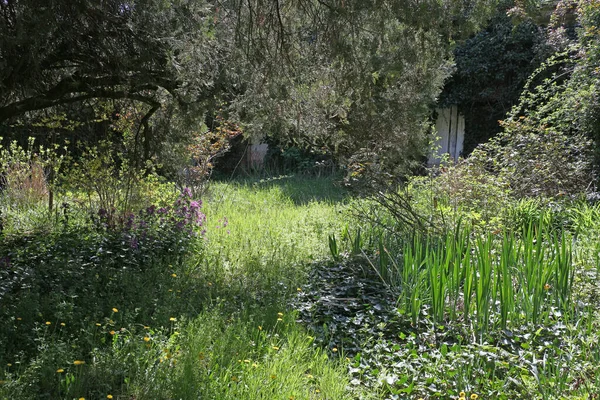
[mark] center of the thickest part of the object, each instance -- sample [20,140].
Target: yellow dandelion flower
[334,349]
[60,371]
[63,324]
[247,361]
[474,396]
[275,348]
[146,339]
[462,394]
[9,365]
[174,275]
[280,314]
[260,328]
[48,323]
[317,391]
[109,396]
[78,362]
[82,398]
[547,286]
[112,332]
[299,289]
[19,318]
[309,376]
[115,309]
[97,324]
[172,319]
[279,319]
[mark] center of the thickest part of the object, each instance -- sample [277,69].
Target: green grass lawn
[209,321]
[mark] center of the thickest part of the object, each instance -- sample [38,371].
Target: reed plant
[500,280]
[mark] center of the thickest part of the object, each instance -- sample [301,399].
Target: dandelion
[279,319]
[462,394]
[78,362]
[19,318]
[48,323]
[115,309]
[109,396]
[97,324]
[280,314]
[60,371]
[547,286]
[172,319]
[275,348]
[112,332]
[9,365]
[62,324]
[260,328]
[82,398]
[146,339]
[174,275]
[247,361]
[474,396]
[299,289]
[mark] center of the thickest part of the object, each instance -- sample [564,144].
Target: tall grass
[488,280]
[209,322]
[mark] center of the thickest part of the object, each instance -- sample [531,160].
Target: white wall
[450,126]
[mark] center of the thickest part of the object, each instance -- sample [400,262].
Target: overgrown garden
[142,258]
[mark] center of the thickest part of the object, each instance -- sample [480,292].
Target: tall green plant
[488,280]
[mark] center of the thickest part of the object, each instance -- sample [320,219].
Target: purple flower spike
[187,192]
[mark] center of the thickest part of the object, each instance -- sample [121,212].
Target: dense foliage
[491,69]
[346,78]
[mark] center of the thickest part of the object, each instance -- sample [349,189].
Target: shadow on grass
[301,190]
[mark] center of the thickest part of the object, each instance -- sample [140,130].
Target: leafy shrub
[539,161]
[26,173]
[79,274]
[112,182]
[462,191]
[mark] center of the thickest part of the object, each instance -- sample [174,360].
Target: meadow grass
[210,321]
[91,313]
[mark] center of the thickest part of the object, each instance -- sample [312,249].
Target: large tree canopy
[351,77]
[60,52]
